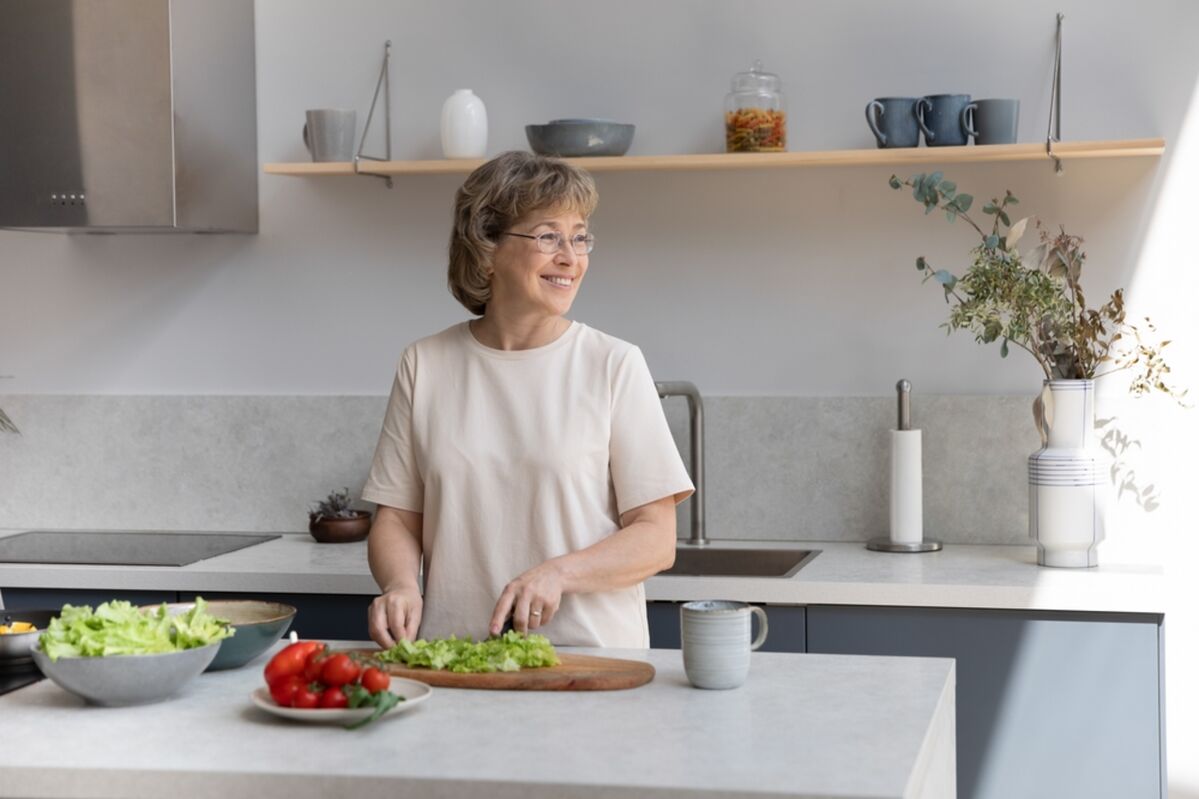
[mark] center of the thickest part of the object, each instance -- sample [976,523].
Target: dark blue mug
[940,118]
[892,120]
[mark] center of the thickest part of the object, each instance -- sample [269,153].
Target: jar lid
[756,80]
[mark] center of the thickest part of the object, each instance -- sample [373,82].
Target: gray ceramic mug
[329,133]
[892,120]
[992,121]
[940,119]
[716,641]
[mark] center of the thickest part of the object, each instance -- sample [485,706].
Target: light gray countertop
[961,575]
[801,726]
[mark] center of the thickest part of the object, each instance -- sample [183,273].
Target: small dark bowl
[16,649]
[340,531]
[572,138]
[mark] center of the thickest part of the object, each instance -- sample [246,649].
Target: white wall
[796,282]
[810,271]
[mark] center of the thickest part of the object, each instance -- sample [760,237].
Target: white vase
[1068,478]
[463,126]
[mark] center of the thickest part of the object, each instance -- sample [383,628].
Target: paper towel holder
[885,543]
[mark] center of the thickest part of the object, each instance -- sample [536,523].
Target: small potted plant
[334,521]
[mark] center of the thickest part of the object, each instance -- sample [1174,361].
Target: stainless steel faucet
[695,409]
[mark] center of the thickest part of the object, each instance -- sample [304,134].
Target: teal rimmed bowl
[256,624]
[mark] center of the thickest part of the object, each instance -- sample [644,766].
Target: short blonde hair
[498,195]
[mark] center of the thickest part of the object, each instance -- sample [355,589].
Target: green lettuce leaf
[508,652]
[119,628]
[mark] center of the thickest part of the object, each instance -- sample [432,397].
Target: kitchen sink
[718,562]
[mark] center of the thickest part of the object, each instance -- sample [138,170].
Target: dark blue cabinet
[55,598]
[325,616]
[786,627]
[1052,705]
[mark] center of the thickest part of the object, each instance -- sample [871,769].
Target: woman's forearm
[394,548]
[636,552]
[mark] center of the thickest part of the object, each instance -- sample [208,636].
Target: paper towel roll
[907,487]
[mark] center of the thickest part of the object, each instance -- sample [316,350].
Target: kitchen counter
[801,726]
[964,576]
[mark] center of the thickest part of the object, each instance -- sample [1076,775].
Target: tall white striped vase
[1068,478]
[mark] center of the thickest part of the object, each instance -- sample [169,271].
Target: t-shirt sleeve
[395,478]
[642,455]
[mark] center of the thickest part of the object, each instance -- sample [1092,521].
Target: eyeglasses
[551,241]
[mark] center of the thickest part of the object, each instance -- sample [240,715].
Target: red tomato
[308,696]
[375,680]
[290,660]
[283,691]
[334,698]
[316,661]
[339,670]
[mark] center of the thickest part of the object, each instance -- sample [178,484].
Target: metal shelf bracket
[1055,101]
[383,83]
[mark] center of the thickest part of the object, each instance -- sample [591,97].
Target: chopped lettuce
[508,652]
[119,628]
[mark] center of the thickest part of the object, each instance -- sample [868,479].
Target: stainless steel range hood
[128,116]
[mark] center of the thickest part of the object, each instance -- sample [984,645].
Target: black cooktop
[150,548]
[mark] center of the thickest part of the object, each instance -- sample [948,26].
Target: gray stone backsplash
[778,468]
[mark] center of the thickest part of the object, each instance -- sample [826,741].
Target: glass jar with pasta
[754,118]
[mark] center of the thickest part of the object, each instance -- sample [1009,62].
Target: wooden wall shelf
[912,156]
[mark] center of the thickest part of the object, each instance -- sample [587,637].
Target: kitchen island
[801,726]
[1030,642]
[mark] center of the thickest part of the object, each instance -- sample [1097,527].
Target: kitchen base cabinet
[54,598]
[786,627]
[323,616]
[1048,704]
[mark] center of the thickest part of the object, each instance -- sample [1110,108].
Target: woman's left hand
[531,599]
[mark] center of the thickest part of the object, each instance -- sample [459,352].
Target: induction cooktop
[145,548]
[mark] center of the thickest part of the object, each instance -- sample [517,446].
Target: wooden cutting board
[574,673]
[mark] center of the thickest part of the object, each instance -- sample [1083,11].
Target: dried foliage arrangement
[1035,300]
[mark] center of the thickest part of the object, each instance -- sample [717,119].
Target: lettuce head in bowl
[120,655]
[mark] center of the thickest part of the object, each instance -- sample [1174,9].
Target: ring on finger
[534,612]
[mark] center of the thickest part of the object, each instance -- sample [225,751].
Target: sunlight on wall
[1165,286]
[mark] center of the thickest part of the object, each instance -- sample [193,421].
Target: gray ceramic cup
[992,121]
[940,119]
[892,120]
[329,133]
[716,641]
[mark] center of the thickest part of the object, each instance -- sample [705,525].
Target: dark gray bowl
[256,626]
[126,679]
[579,138]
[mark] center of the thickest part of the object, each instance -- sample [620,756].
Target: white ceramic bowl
[126,679]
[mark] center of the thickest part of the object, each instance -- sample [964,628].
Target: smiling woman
[524,457]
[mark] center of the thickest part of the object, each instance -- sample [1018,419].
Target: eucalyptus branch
[1040,307]
[1036,356]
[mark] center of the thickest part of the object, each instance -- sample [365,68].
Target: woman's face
[525,280]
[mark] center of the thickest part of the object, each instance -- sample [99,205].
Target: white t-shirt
[518,456]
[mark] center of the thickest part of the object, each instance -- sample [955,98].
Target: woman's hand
[531,599]
[394,615]
[393,550]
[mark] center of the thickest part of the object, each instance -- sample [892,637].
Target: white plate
[414,693]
